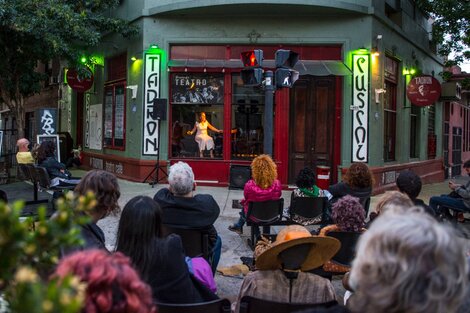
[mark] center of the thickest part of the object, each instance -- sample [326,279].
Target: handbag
[202,271]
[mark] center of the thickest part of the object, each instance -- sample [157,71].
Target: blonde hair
[408,263]
[393,201]
[264,171]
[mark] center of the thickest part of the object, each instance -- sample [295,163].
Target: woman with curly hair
[408,263]
[348,215]
[357,182]
[263,186]
[105,187]
[112,285]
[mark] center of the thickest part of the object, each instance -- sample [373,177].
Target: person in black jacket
[57,171]
[410,184]
[160,261]
[181,207]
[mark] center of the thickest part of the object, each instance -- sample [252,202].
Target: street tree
[451,27]
[37,31]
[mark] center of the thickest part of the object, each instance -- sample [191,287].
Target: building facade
[348,105]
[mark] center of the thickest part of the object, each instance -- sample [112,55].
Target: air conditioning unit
[53,80]
[451,91]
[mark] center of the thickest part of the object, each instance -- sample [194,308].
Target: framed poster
[54,139]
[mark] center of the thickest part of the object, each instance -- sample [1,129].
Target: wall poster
[95,126]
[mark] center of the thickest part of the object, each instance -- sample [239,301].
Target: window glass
[114,116]
[247,120]
[191,95]
[390,121]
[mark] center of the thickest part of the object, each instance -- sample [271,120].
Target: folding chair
[195,241]
[250,304]
[265,213]
[308,207]
[216,306]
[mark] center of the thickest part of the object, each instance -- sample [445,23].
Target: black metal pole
[156,179]
[268,113]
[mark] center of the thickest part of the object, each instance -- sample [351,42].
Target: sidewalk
[233,245]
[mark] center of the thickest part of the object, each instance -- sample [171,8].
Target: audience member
[57,171]
[262,187]
[160,261]
[282,275]
[24,156]
[458,200]
[357,182]
[392,201]
[408,263]
[348,216]
[112,285]
[181,207]
[410,184]
[105,187]
[306,187]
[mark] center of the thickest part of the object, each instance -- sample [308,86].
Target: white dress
[202,138]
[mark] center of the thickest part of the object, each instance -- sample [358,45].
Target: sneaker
[236,229]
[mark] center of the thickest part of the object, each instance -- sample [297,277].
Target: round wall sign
[77,83]
[423,90]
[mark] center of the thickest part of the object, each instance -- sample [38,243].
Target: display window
[114,116]
[197,113]
[247,120]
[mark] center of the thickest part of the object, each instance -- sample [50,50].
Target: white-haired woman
[408,263]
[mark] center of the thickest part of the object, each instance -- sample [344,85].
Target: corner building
[349,103]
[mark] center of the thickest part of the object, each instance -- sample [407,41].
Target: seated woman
[104,185]
[348,216]
[204,141]
[263,186]
[357,182]
[112,285]
[306,188]
[57,171]
[160,261]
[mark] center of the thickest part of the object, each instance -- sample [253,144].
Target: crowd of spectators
[406,260]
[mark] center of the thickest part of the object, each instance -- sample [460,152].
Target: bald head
[22,145]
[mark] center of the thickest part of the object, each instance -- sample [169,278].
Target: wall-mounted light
[133,59]
[134,89]
[379,91]
[83,59]
[375,52]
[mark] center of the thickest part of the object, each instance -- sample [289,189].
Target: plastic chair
[365,201]
[216,306]
[346,253]
[250,304]
[195,241]
[264,213]
[307,207]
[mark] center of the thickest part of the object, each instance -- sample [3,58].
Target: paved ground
[233,246]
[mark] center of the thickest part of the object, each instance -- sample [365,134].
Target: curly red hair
[264,171]
[113,286]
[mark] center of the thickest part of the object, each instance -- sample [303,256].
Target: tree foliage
[451,27]
[33,31]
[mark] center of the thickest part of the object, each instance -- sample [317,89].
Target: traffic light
[285,60]
[252,74]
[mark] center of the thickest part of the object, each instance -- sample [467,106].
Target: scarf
[314,191]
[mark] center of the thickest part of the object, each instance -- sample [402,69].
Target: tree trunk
[20,118]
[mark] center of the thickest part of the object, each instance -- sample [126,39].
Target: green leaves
[30,248]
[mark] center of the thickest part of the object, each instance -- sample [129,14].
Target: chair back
[365,202]
[265,212]
[250,304]
[216,306]
[195,241]
[42,176]
[25,172]
[346,253]
[307,207]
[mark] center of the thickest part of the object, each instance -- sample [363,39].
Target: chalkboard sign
[54,139]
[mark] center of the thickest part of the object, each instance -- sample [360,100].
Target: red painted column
[281,133]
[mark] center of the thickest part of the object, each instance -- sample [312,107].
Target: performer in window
[204,141]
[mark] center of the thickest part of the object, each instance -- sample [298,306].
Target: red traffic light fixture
[252,58]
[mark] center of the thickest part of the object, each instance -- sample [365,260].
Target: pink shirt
[254,193]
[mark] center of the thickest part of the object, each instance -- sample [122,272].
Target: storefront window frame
[112,145]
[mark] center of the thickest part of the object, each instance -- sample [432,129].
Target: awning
[315,68]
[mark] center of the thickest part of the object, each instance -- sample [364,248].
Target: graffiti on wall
[151,92]
[360,108]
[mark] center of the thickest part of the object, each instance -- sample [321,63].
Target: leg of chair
[267,230]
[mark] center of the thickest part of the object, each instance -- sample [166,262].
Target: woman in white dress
[202,138]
